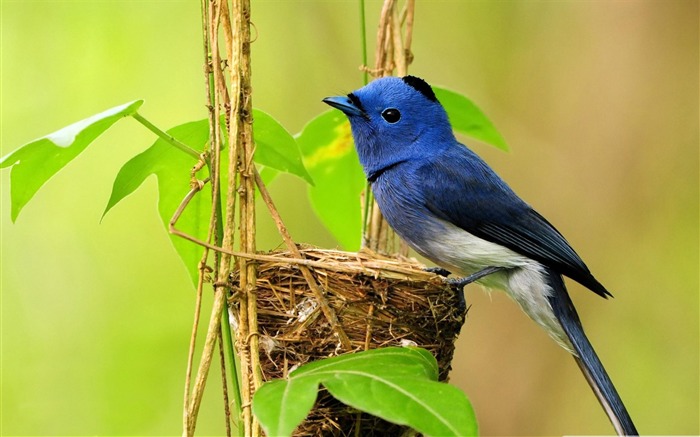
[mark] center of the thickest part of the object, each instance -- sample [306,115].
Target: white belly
[463,254]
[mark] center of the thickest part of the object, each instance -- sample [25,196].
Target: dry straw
[379,301]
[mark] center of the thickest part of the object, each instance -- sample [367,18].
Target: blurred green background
[598,101]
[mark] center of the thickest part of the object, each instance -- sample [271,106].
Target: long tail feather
[587,359]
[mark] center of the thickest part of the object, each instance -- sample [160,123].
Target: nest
[379,302]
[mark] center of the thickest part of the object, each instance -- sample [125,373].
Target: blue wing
[461,188]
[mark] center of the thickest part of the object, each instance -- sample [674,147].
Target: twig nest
[379,302]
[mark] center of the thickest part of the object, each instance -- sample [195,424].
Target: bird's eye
[392,115]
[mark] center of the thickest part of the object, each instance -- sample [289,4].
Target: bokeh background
[598,101]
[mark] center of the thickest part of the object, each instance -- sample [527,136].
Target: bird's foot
[457,284]
[438,271]
[461,298]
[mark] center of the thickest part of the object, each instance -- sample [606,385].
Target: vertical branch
[248,277]
[213,330]
[397,43]
[205,255]
[237,36]
[220,97]
[249,187]
[410,14]
[363,38]
[407,16]
[381,49]
[225,104]
[392,53]
[222,358]
[382,67]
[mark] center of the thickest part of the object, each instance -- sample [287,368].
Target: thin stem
[365,80]
[202,264]
[216,223]
[231,358]
[165,136]
[222,359]
[327,310]
[193,340]
[397,42]
[227,339]
[224,19]
[213,331]
[410,13]
[365,219]
[363,42]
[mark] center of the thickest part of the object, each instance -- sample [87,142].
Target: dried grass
[380,301]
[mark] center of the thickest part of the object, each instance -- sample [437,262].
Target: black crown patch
[421,86]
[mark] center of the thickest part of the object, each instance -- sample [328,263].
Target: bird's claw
[438,271]
[461,282]
[458,284]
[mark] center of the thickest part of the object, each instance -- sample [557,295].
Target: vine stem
[165,136]
[248,338]
[363,39]
[392,53]
[328,312]
[367,200]
[224,227]
[205,255]
[218,93]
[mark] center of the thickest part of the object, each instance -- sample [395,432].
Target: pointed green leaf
[172,168]
[397,361]
[281,405]
[468,119]
[397,384]
[430,407]
[36,162]
[275,147]
[329,155]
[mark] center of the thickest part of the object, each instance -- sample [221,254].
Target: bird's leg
[438,271]
[461,282]
[458,284]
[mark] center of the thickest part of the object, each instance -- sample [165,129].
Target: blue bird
[453,209]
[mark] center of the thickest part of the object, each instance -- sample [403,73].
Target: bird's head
[394,119]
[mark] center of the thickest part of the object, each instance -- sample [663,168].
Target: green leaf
[275,147]
[36,162]
[329,155]
[397,384]
[409,361]
[172,169]
[468,119]
[281,405]
[432,408]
